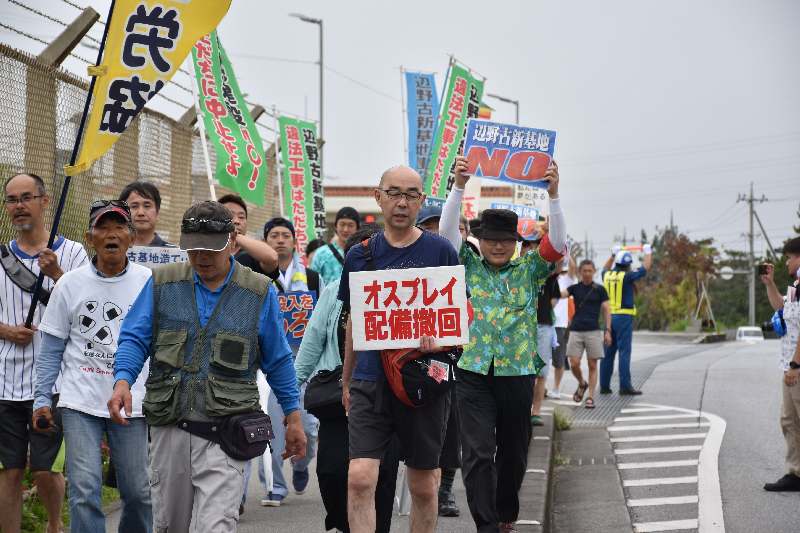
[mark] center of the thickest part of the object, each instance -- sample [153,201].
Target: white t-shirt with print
[561,309]
[87,310]
[17,377]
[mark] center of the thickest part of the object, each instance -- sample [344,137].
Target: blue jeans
[621,339]
[311,427]
[83,434]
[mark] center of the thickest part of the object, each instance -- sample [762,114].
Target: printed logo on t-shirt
[96,327]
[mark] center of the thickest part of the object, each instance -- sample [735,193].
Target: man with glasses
[27,255]
[375,415]
[207,326]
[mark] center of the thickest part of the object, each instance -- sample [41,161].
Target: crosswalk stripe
[654,417]
[659,481]
[658,464]
[670,525]
[658,449]
[654,438]
[670,500]
[645,427]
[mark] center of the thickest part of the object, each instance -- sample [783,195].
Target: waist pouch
[417,379]
[241,437]
[323,397]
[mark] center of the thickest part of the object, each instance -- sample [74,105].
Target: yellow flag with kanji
[145,44]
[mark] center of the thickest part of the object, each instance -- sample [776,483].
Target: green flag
[241,163]
[302,180]
[462,100]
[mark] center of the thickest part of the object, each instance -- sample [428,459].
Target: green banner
[241,163]
[462,101]
[301,180]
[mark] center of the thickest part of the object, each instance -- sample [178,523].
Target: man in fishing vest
[207,325]
[618,283]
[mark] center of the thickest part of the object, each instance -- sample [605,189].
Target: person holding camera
[789,307]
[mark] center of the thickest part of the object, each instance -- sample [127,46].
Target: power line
[362,84]
[276,59]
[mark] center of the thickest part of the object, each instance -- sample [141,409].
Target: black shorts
[560,354]
[16,434]
[376,415]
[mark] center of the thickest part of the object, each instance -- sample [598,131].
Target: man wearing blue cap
[618,283]
[428,218]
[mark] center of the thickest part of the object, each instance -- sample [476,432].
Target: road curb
[535,495]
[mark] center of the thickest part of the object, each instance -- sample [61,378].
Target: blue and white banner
[423,113]
[522,211]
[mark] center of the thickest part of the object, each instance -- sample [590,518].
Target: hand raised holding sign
[460,168]
[551,177]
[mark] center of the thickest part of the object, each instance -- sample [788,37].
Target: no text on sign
[395,308]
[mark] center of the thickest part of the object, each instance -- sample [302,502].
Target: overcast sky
[659,106]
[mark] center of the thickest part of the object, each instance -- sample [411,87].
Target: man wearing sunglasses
[80,332]
[26,201]
[207,326]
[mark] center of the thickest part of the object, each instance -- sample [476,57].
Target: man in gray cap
[207,325]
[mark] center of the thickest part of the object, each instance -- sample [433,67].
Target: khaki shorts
[590,341]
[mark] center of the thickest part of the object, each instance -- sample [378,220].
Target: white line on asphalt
[568,403]
[660,426]
[672,525]
[653,438]
[528,523]
[658,449]
[659,481]
[534,471]
[545,408]
[542,437]
[658,464]
[654,417]
[644,410]
[671,500]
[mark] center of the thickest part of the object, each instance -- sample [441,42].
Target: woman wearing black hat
[496,372]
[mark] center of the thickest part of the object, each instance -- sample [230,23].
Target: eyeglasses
[100,204]
[24,199]
[396,194]
[203,225]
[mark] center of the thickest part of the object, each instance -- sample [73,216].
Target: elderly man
[207,325]
[26,202]
[375,413]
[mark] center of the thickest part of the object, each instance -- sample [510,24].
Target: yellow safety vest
[612,281]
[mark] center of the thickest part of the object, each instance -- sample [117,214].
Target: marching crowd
[163,365]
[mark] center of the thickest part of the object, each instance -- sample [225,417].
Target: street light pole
[318,22]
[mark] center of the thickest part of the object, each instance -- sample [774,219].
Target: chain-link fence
[41,108]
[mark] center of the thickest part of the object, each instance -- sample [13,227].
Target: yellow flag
[146,42]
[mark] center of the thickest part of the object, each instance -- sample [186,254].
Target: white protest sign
[154,256]
[394,308]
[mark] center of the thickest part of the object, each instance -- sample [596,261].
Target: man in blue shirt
[619,286]
[207,326]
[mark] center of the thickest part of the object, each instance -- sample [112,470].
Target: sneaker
[300,481]
[273,500]
[553,395]
[788,483]
[605,391]
[447,505]
[536,420]
[629,392]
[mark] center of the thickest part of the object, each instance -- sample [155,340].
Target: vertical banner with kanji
[296,308]
[241,163]
[145,44]
[423,110]
[303,199]
[462,101]
[394,308]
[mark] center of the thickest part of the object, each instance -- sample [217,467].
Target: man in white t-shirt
[26,201]
[80,330]
[567,277]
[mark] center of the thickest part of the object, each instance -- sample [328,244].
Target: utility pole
[751,258]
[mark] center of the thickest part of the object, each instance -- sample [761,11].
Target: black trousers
[332,464]
[495,433]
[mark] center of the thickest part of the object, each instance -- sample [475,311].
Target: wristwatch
[793,365]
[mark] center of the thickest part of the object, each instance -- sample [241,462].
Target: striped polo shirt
[17,362]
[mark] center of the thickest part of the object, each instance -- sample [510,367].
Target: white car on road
[749,334]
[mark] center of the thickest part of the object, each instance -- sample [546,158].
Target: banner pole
[278,159]
[62,200]
[201,124]
[404,111]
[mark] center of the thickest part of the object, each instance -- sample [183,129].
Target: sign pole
[278,159]
[202,126]
[404,111]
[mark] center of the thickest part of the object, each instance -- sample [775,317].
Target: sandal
[578,396]
[589,403]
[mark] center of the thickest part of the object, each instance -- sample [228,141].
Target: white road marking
[645,427]
[658,464]
[528,523]
[654,417]
[672,500]
[657,449]
[653,438]
[671,525]
[659,481]
[541,437]
[534,471]
[568,403]
[643,409]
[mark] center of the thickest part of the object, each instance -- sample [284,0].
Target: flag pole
[201,124]
[278,159]
[404,111]
[62,200]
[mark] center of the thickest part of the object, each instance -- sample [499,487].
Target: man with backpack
[329,259]
[375,413]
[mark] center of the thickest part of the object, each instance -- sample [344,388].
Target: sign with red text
[296,308]
[508,152]
[395,308]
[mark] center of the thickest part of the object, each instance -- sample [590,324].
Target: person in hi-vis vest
[618,283]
